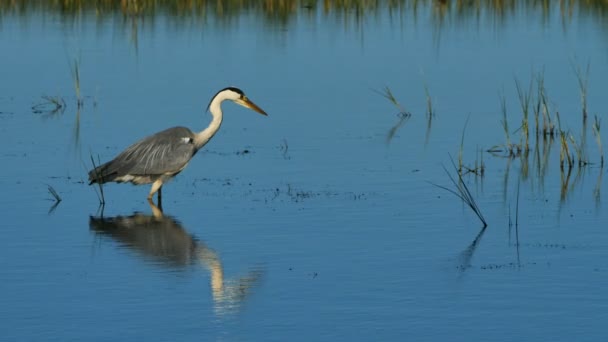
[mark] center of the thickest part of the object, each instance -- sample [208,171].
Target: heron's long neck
[205,135]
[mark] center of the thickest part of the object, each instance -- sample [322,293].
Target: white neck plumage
[215,108]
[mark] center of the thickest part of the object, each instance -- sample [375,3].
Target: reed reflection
[163,239]
[443,14]
[464,258]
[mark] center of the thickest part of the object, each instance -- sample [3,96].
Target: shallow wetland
[354,211]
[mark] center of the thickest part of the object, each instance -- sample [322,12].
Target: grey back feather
[165,152]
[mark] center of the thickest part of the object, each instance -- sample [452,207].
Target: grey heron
[161,156]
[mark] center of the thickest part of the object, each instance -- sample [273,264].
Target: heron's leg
[160,198]
[155,187]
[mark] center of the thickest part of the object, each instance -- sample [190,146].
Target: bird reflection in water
[163,239]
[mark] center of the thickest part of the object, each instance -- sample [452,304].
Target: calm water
[306,224]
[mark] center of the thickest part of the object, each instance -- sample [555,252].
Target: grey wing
[166,152]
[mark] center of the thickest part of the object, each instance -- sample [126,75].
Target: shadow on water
[163,239]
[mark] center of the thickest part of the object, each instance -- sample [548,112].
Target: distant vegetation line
[284,10]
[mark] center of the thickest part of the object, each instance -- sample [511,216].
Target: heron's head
[237,96]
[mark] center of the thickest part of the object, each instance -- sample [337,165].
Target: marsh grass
[565,158]
[525,97]
[56,197]
[478,167]
[403,118]
[517,205]
[565,184]
[581,157]
[466,255]
[598,186]
[583,82]
[504,122]
[100,194]
[462,191]
[430,113]
[54,193]
[461,150]
[76,80]
[517,224]
[541,109]
[76,132]
[50,105]
[430,110]
[598,138]
[403,114]
[388,94]
[509,148]
[284,148]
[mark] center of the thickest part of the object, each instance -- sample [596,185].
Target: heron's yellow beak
[246,102]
